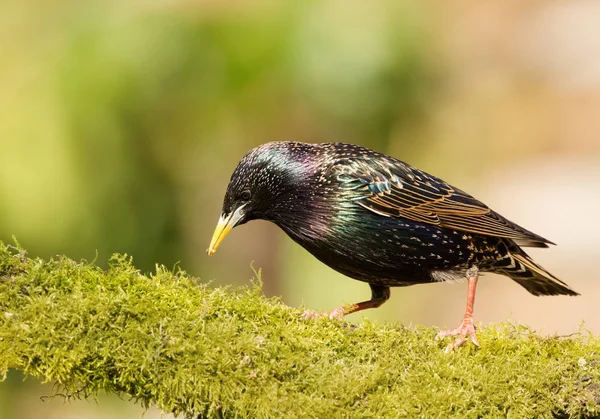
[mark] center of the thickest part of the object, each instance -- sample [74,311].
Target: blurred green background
[121,122]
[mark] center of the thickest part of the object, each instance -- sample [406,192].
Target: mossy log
[169,340]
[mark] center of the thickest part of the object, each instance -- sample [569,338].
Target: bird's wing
[392,188]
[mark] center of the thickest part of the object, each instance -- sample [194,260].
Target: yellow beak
[224,226]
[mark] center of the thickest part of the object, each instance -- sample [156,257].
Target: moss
[171,341]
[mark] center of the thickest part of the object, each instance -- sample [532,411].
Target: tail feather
[532,243]
[531,276]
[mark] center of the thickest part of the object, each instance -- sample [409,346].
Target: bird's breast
[373,248]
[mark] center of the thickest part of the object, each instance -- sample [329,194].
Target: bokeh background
[121,122]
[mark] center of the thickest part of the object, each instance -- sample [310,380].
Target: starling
[381,221]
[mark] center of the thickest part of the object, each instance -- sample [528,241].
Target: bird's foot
[467,328]
[335,314]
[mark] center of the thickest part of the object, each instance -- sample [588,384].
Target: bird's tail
[517,265]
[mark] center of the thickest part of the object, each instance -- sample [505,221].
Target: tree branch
[170,341]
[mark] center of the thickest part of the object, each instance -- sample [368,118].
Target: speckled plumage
[379,220]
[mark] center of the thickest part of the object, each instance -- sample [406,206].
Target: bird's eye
[246,195]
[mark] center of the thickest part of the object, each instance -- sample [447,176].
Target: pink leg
[467,327]
[379,295]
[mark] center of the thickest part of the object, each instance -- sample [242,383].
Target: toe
[336,313]
[442,334]
[452,346]
[310,315]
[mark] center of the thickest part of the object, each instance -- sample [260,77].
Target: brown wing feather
[394,189]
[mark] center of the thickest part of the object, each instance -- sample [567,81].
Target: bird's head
[263,185]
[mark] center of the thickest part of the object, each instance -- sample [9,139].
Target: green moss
[171,341]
